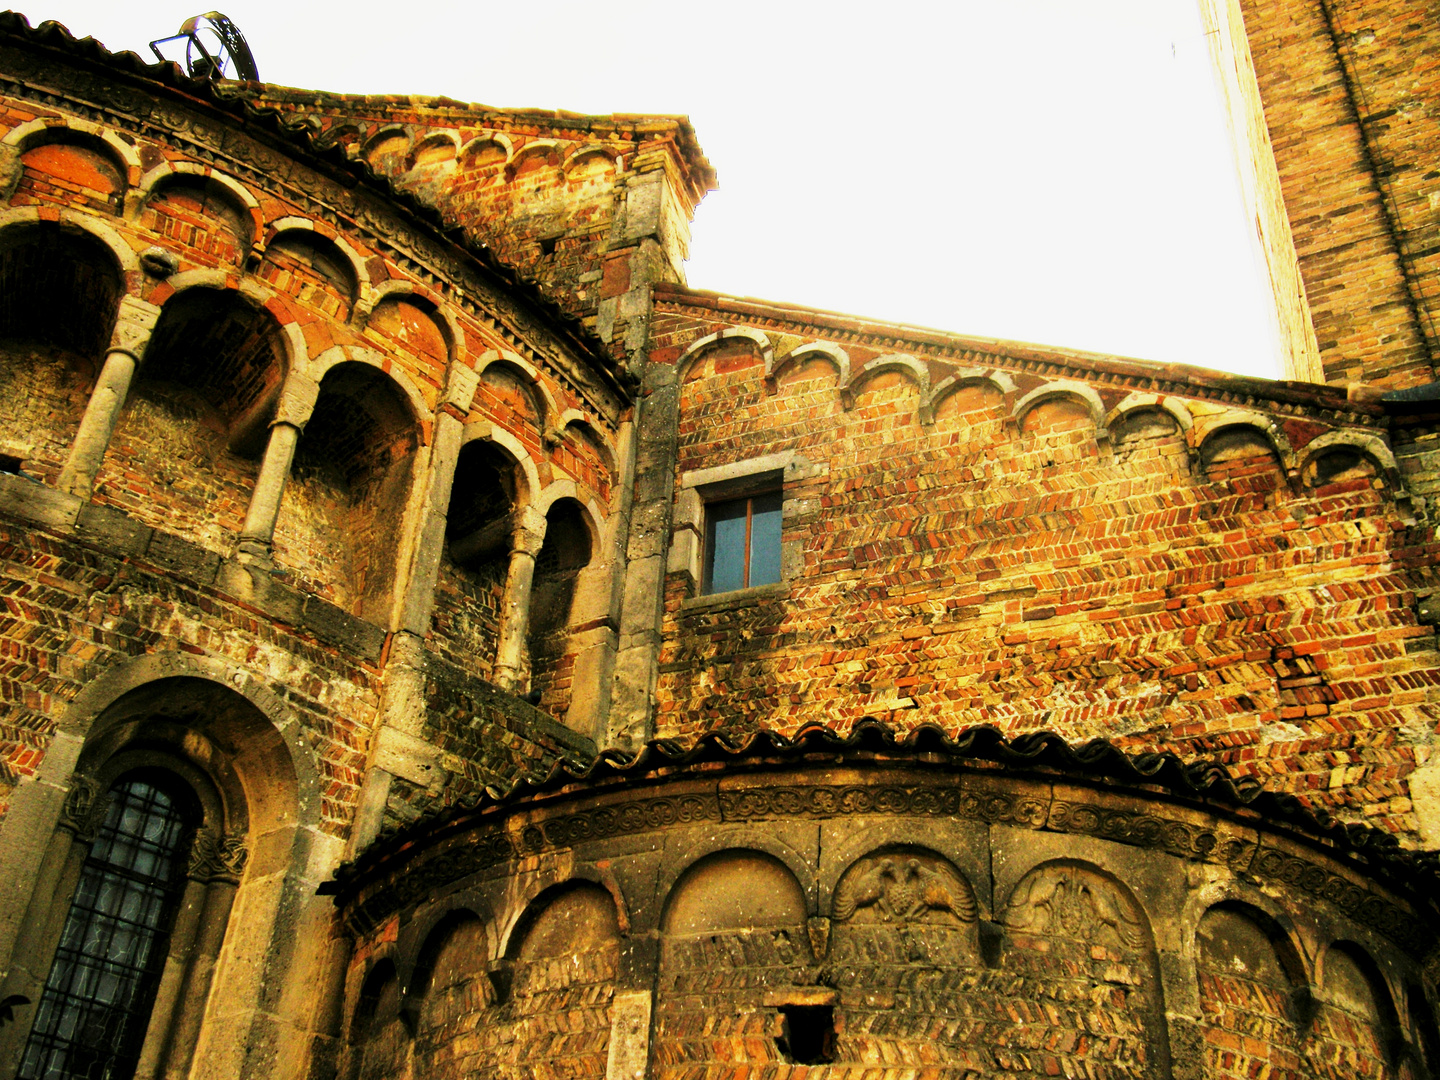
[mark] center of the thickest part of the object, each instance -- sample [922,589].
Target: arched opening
[341,514]
[181,786]
[379,1042]
[479,528]
[1252,994]
[96,1005]
[202,215]
[566,948]
[312,269]
[185,452]
[564,554]
[60,291]
[732,934]
[448,985]
[1068,920]
[1355,1026]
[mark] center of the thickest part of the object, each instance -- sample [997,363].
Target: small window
[742,542]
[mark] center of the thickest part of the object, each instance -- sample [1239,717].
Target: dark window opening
[742,542]
[807,1034]
[10,464]
[92,1015]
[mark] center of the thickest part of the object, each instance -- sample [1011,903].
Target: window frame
[699,489]
[710,548]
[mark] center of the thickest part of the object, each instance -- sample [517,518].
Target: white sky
[1054,171]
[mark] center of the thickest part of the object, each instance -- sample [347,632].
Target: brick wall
[967,572]
[45,395]
[1349,100]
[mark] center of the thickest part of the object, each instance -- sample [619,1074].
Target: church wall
[867,916]
[1168,580]
[1350,102]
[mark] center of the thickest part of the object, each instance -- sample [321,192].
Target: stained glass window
[92,1015]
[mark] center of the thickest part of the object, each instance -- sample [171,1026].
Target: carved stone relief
[1064,900]
[901,887]
[84,807]
[214,857]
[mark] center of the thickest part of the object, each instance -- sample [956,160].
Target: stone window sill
[737,597]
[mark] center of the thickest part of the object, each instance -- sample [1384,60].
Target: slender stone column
[127,347]
[512,666]
[297,403]
[259,530]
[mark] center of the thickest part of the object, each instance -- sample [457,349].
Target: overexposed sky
[1054,171]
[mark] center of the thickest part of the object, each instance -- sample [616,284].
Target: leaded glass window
[93,1012]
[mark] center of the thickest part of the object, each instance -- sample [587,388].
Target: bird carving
[938,889]
[904,891]
[865,888]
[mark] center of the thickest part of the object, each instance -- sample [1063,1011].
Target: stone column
[127,347]
[297,403]
[512,663]
[399,747]
[418,598]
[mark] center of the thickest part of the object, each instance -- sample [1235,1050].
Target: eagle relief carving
[1071,901]
[902,887]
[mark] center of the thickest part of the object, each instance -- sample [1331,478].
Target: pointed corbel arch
[1369,445]
[960,379]
[33,133]
[535,147]
[697,348]
[902,362]
[1274,434]
[583,421]
[515,448]
[1070,390]
[550,430]
[242,199]
[822,350]
[444,317]
[433,138]
[341,354]
[591,150]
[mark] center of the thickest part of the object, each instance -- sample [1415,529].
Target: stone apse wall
[894,913]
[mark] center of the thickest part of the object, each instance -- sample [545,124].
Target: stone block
[113,529]
[30,500]
[338,627]
[181,557]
